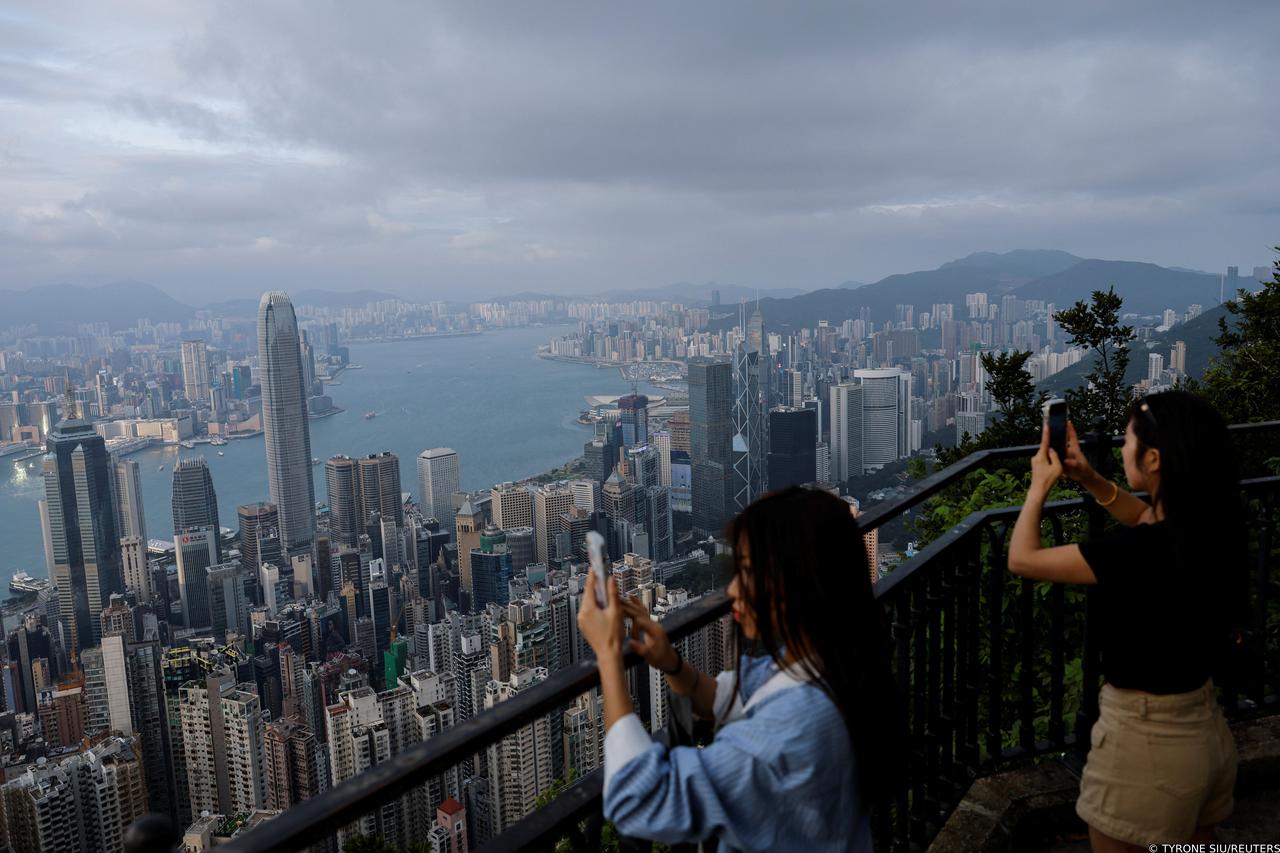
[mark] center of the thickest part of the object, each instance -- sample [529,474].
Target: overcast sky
[479,148]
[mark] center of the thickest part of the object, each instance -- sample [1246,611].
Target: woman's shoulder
[803,702]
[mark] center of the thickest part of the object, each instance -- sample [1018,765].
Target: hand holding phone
[595,551]
[1055,415]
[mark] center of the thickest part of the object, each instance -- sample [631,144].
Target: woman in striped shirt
[808,729]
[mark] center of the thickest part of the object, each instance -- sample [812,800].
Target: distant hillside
[700,294]
[335,299]
[982,271]
[58,309]
[1054,276]
[248,307]
[1024,263]
[1198,334]
[1146,288]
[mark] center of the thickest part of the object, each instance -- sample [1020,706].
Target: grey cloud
[573,145]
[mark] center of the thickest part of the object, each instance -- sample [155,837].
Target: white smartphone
[595,550]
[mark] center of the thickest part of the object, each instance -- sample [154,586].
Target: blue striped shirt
[780,777]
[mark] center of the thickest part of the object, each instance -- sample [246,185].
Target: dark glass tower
[633,413]
[792,447]
[82,528]
[711,442]
[195,504]
[342,482]
[380,487]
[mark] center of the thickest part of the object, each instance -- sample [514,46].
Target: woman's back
[1161,620]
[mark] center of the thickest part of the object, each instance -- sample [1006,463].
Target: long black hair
[810,592]
[1199,492]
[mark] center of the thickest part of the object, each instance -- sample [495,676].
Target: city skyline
[281,664]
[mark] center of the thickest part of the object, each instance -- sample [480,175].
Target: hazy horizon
[465,152]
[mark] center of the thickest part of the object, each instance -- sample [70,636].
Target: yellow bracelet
[1114,494]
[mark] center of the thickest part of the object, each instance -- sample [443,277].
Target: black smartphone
[1055,415]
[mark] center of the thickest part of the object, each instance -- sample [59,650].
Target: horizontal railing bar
[550,822]
[976,519]
[316,818]
[939,480]
[971,523]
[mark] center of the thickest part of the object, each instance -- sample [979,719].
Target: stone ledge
[1029,806]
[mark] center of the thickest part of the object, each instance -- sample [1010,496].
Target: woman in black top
[1162,763]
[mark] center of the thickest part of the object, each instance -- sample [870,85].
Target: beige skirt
[1159,766]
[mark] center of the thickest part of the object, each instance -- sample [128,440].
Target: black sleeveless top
[1162,619]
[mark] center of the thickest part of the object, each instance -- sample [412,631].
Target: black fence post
[1098,449]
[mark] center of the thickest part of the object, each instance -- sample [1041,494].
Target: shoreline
[419,337]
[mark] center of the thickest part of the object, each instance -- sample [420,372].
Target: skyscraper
[846,432]
[259,536]
[519,764]
[195,504]
[438,478]
[633,413]
[131,519]
[85,545]
[195,371]
[284,421]
[380,487]
[886,416]
[710,442]
[549,503]
[469,521]
[792,447]
[222,733]
[342,483]
[749,442]
[512,506]
[197,550]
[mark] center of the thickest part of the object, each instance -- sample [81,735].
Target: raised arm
[1126,508]
[1063,564]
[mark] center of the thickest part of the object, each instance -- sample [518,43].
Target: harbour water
[508,413]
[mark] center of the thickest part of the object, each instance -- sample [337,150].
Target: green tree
[368,844]
[1243,379]
[1103,403]
[1013,391]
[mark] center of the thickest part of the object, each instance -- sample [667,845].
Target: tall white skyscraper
[1155,367]
[195,371]
[284,420]
[127,489]
[846,432]
[438,478]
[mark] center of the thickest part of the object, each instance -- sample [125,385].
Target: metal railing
[978,695]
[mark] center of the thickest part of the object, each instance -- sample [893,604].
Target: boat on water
[220,453]
[368,416]
[188,444]
[23,584]
[315,461]
[218,442]
[161,468]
